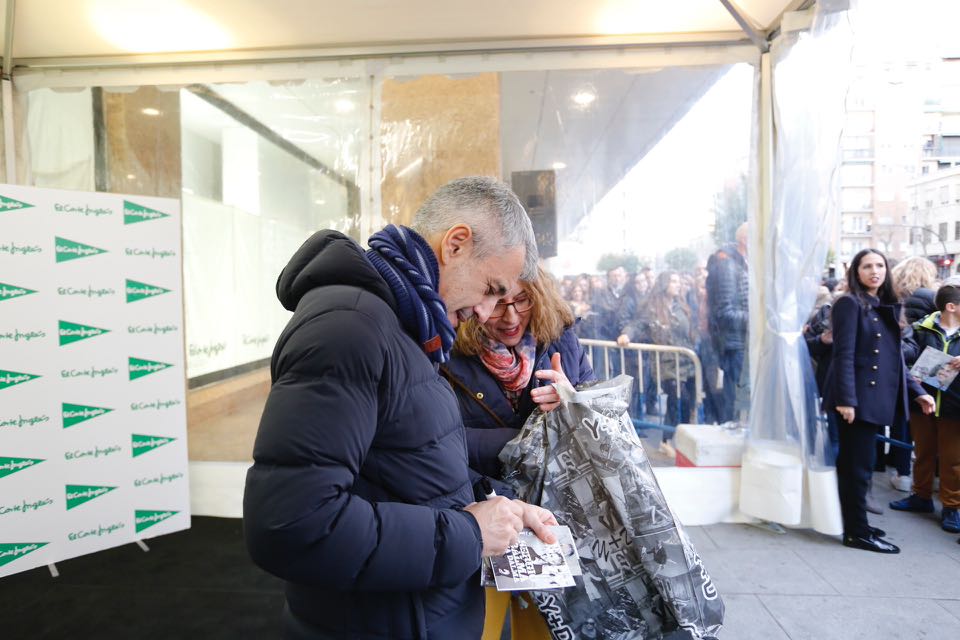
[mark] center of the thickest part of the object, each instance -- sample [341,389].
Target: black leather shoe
[878,533]
[870,543]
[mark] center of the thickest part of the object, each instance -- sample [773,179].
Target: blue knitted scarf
[407,263]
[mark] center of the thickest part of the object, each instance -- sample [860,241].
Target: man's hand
[623,340]
[827,337]
[537,519]
[500,520]
[927,404]
[847,413]
[954,362]
[547,397]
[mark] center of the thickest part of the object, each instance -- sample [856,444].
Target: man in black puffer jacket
[360,495]
[728,300]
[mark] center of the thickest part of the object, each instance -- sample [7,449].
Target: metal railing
[657,353]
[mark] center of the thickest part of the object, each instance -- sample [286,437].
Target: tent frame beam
[758,38]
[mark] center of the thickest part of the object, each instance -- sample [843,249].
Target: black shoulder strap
[470,394]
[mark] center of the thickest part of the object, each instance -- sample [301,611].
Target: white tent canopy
[54,32]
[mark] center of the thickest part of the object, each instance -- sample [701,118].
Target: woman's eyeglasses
[520,305]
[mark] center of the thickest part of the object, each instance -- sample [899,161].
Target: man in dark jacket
[360,496]
[729,315]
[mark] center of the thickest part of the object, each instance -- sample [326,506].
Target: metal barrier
[657,353]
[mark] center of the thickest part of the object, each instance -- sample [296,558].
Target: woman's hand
[827,338]
[848,413]
[927,404]
[546,396]
[623,340]
[954,363]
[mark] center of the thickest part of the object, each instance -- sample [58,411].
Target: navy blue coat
[360,465]
[472,382]
[867,369]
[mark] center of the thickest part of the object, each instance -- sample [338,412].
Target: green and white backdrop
[93,450]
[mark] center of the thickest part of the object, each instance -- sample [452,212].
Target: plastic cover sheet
[59,136]
[264,166]
[616,165]
[787,443]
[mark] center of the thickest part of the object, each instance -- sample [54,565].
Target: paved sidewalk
[806,586]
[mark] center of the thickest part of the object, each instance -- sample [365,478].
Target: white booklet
[932,368]
[532,564]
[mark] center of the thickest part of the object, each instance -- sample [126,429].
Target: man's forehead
[502,271]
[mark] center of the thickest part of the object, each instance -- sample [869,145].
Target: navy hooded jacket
[360,465]
[473,383]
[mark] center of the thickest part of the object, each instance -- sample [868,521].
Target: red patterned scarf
[512,367]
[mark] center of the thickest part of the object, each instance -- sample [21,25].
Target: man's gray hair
[493,211]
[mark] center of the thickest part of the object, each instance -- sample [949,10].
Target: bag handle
[457,383]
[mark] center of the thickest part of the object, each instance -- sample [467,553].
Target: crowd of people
[865,335]
[704,310]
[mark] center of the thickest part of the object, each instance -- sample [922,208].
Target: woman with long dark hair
[667,319]
[868,385]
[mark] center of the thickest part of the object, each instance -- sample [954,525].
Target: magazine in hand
[532,564]
[932,368]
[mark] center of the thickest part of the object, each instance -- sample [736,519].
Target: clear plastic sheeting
[264,166]
[788,443]
[59,136]
[643,168]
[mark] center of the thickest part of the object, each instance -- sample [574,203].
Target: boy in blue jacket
[937,433]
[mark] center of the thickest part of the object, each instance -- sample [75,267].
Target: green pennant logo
[140,368]
[12,465]
[72,332]
[11,378]
[133,212]
[71,250]
[13,550]
[77,494]
[146,519]
[10,291]
[140,290]
[9,204]
[77,413]
[143,443]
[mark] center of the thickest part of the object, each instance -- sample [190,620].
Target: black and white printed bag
[642,578]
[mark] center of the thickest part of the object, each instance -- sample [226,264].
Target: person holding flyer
[937,434]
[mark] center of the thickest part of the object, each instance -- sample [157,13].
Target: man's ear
[456,243]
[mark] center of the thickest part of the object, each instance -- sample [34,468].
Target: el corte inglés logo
[13,550]
[9,204]
[77,413]
[11,378]
[73,332]
[77,494]
[146,519]
[12,465]
[72,250]
[140,368]
[143,443]
[140,290]
[133,212]
[10,291]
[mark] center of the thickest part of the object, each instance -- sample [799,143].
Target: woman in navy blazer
[868,385]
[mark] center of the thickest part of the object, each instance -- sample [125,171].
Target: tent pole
[10,155]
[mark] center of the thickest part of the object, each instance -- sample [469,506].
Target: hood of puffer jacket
[329,258]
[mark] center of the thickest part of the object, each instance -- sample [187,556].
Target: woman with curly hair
[915,282]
